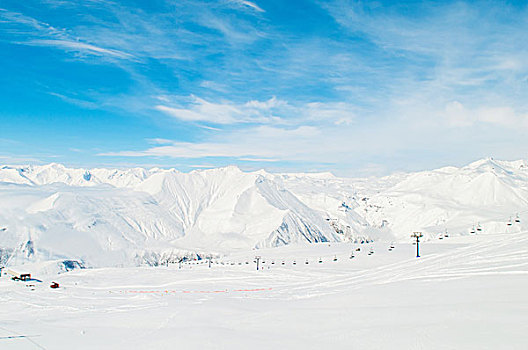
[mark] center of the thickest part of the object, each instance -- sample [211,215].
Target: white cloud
[271,111]
[37,33]
[339,113]
[258,160]
[266,105]
[249,4]
[457,115]
[79,47]
[200,110]
[262,143]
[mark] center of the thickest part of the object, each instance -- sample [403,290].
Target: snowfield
[463,293]
[159,259]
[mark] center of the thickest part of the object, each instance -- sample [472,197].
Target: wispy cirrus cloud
[30,31]
[247,4]
[78,46]
[451,51]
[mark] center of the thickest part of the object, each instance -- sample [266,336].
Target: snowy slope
[111,217]
[464,293]
[476,199]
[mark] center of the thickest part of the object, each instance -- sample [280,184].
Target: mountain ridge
[109,217]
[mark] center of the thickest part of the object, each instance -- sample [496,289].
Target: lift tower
[417,235]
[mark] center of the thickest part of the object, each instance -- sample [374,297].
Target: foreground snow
[463,293]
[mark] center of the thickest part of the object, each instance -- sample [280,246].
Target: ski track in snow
[476,285]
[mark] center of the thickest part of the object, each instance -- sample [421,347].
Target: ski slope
[463,293]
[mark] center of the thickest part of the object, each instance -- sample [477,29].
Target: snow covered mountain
[111,217]
[483,197]
[106,217]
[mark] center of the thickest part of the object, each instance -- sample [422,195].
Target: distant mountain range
[107,217]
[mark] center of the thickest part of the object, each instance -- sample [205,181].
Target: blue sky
[354,87]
